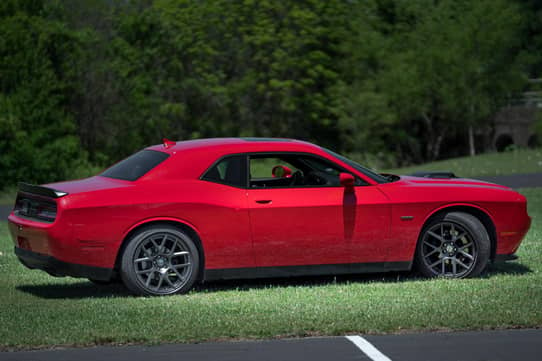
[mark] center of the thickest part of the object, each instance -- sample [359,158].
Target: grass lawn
[37,310]
[490,164]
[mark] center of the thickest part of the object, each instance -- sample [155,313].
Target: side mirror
[346,179]
[280,171]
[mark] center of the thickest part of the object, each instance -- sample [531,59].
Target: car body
[179,212]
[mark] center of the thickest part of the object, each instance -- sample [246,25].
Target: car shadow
[506,268]
[509,268]
[303,281]
[77,290]
[86,289]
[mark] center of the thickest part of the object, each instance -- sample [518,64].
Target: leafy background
[84,83]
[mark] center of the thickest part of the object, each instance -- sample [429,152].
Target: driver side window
[292,170]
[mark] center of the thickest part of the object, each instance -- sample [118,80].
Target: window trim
[216,162]
[247,156]
[166,157]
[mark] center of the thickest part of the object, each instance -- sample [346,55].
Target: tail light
[35,207]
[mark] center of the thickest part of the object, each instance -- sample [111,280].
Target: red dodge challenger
[177,213]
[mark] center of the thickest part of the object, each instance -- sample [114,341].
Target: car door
[312,221]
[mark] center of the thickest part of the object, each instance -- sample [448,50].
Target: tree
[443,67]
[38,140]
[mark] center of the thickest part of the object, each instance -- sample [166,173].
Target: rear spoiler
[40,190]
[439,174]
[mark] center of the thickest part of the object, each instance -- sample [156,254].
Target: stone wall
[514,125]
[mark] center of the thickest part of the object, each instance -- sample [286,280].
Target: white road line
[368,348]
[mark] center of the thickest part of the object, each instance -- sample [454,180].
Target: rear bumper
[59,268]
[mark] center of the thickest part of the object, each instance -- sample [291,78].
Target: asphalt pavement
[516,180]
[503,345]
[4,212]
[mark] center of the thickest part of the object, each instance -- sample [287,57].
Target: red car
[177,213]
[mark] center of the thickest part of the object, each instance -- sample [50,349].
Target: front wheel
[160,260]
[454,245]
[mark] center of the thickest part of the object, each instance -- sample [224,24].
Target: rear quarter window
[136,165]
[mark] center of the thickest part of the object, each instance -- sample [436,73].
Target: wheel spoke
[155,245]
[178,274]
[459,237]
[168,280]
[163,243]
[180,265]
[142,259]
[466,255]
[432,252]
[436,263]
[465,246]
[433,234]
[462,264]
[454,265]
[149,278]
[180,253]
[160,279]
[145,271]
[431,245]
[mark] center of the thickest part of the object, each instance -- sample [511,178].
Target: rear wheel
[454,245]
[160,260]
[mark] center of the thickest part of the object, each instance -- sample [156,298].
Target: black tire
[160,260]
[453,245]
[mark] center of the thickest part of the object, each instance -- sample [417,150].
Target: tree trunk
[472,149]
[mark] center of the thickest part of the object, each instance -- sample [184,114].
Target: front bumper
[59,268]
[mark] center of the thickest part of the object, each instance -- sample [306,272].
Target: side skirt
[310,270]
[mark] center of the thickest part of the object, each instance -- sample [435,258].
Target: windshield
[136,165]
[369,173]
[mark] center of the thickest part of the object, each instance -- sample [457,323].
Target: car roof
[191,158]
[236,145]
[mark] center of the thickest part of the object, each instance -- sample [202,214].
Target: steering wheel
[316,179]
[297,178]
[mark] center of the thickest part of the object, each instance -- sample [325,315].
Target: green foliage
[39,141]
[435,72]
[392,81]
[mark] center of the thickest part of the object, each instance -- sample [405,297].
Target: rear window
[136,165]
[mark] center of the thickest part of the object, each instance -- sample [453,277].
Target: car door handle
[264,201]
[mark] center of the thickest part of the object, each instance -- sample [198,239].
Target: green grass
[490,164]
[37,310]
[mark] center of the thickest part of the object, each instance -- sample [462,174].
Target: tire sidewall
[476,230]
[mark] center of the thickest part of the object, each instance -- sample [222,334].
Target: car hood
[96,183]
[447,182]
